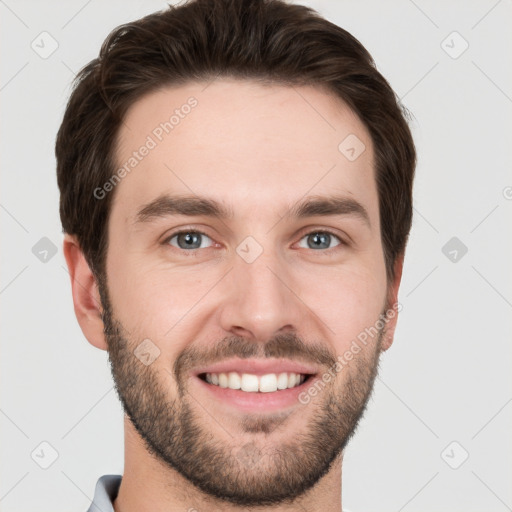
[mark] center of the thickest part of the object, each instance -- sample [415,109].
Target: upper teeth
[253,383]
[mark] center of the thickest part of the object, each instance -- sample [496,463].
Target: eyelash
[194,251]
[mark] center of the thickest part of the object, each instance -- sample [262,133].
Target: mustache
[284,345]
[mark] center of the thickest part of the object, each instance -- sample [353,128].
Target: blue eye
[320,239]
[188,240]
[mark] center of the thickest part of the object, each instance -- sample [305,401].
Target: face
[244,251]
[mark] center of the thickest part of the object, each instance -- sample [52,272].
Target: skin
[258,149]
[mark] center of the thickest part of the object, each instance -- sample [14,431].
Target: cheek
[155,301]
[348,302]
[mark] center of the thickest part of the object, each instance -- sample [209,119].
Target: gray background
[447,377]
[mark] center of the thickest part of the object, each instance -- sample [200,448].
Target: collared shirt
[106,491]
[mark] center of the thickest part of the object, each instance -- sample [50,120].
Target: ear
[86,297]
[392,304]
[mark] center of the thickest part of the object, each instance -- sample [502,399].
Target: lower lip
[257,401]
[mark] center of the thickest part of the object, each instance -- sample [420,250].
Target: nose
[261,299]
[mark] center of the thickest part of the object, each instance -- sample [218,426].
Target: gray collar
[106,491]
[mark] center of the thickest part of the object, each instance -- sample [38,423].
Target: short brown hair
[265,40]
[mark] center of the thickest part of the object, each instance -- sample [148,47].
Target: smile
[251,383]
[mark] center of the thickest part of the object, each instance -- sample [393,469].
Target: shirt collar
[105,493]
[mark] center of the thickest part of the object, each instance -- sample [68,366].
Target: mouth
[251,383]
[255,386]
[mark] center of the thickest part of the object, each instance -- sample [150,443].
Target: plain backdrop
[436,436]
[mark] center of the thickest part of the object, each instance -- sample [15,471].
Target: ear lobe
[86,297]
[392,303]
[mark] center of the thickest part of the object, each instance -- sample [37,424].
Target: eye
[320,240]
[188,239]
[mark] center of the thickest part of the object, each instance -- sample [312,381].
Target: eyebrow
[191,206]
[331,205]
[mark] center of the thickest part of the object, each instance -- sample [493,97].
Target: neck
[148,485]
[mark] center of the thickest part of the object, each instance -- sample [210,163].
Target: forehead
[242,143]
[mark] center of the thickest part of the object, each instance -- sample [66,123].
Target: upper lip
[257,367]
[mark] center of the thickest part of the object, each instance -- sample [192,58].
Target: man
[236,195]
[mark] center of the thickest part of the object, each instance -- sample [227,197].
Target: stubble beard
[249,468]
